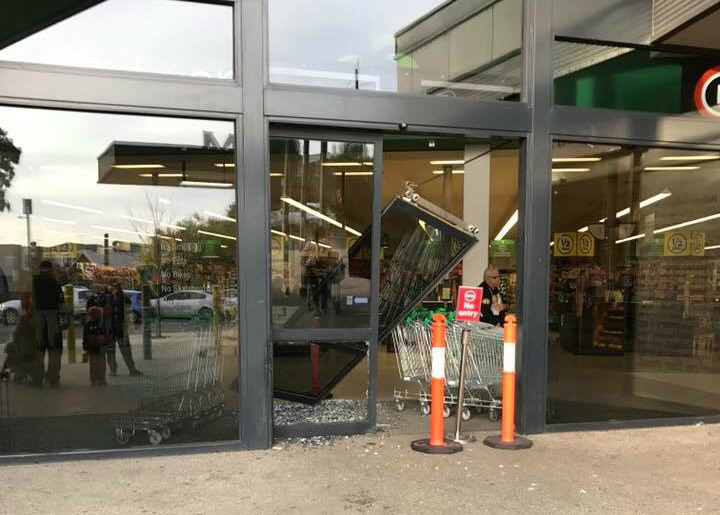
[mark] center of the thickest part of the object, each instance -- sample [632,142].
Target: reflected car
[10,309]
[186,304]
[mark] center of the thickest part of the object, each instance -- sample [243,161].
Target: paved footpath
[672,470]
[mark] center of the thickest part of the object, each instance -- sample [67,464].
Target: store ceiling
[22,18]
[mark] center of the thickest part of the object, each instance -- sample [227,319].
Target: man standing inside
[493,306]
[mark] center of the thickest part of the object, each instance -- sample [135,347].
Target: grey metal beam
[634,126]
[534,218]
[255,377]
[60,85]
[374,107]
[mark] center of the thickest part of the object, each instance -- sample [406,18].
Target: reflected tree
[9,157]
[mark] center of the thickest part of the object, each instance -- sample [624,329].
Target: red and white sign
[469,300]
[707,93]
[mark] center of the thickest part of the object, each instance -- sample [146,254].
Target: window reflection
[119,280]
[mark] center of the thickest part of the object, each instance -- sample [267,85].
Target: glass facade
[634,293]
[456,49]
[118,263]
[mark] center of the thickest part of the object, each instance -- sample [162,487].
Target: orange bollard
[437,444]
[507,439]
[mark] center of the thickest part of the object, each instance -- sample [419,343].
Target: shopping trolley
[180,387]
[483,367]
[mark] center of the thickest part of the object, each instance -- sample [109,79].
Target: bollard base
[517,444]
[424,446]
[461,439]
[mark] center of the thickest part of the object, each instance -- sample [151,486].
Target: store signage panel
[502,248]
[565,244]
[585,244]
[468,304]
[684,243]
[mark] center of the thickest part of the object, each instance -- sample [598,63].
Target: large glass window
[637,55]
[154,36]
[634,292]
[117,260]
[428,47]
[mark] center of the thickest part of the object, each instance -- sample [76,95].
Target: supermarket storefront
[209,243]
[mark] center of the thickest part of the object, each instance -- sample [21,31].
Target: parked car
[10,309]
[184,304]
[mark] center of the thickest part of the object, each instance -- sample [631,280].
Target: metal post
[458,437]
[147,336]
[68,293]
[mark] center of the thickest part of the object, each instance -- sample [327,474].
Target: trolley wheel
[154,437]
[446,411]
[123,436]
[494,415]
[399,405]
[425,409]
[165,432]
[466,414]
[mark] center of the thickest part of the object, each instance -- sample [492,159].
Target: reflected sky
[59,164]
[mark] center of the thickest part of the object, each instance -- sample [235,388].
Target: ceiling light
[584,229]
[71,206]
[279,233]
[276,174]
[655,198]
[689,158]
[575,159]
[669,168]
[636,237]
[105,228]
[178,227]
[126,217]
[449,162]
[207,184]
[353,174]
[138,167]
[454,172]
[318,214]
[570,170]
[298,238]
[220,217]
[218,235]
[225,165]
[58,221]
[508,225]
[351,163]
[622,212]
[223,246]
[323,245]
[178,239]
[602,220]
[162,175]
[163,200]
[712,247]
[690,222]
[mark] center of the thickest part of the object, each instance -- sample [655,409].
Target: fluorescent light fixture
[318,214]
[622,212]
[58,221]
[323,245]
[276,174]
[218,235]
[126,217]
[223,246]
[689,222]
[669,168]
[115,229]
[171,226]
[207,184]
[178,239]
[220,217]
[602,220]
[353,174]
[163,200]
[655,198]
[160,175]
[71,206]
[584,229]
[138,167]
[689,158]
[570,170]
[508,225]
[449,162]
[576,159]
[298,238]
[636,237]
[454,172]
[225,165]
[351,163]
[166,237]
[712,247]
[279,233]
[552,243]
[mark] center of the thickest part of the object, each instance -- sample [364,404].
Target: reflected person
[119,332]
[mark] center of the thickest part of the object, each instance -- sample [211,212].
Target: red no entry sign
[469,300]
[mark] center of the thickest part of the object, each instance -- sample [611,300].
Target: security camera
[402,126]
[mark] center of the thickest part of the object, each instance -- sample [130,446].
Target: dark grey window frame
[252,103]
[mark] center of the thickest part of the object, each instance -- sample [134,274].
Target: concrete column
[476,210]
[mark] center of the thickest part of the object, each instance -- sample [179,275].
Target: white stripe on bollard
[438,362]
[509,357]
